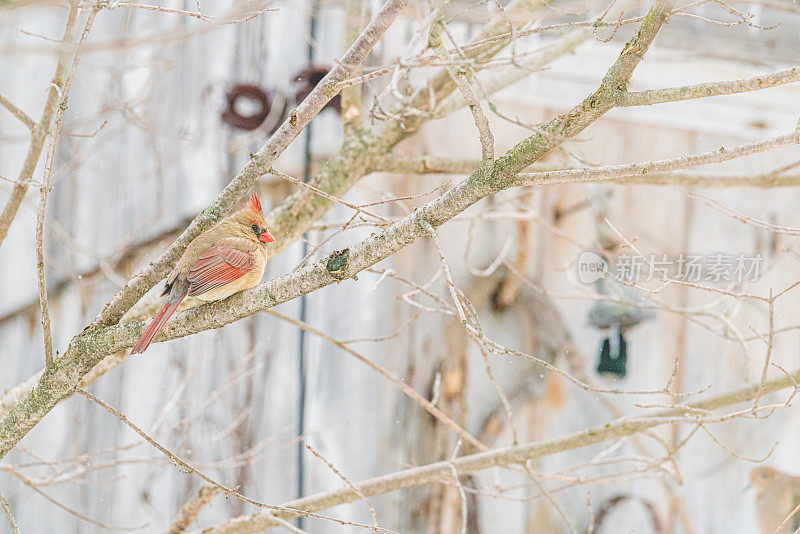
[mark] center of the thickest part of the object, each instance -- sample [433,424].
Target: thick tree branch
[61,384]
[424,165]
[416,476]
[287,222]
[258,165]
[88,348]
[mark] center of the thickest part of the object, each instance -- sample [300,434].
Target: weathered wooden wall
[227,399]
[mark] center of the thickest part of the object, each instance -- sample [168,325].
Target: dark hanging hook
[264,100]
[609,504]
[307,79]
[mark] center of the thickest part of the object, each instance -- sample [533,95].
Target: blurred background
[146,144]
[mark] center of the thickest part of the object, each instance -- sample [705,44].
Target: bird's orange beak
[266,237]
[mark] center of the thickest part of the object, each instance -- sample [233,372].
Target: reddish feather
[157,324]
[216,267]
[255,205]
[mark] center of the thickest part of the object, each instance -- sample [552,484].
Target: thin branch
[288,221]
[435,472]
[351,96]
[409,391]
[39,132]
[258,165]
[189,511]
[704,90]
[181,463]
[595,174]
[89,347]
[349,485]
[458,75]
[547,495]
[765,180]
[44,190]
[7,509]
[770,346]
[193,14]
[323,194]
[461,493]
[18,113]
[514,73]
[32,485]
[444,165]
[120,261]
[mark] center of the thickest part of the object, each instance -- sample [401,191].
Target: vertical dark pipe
[301,360]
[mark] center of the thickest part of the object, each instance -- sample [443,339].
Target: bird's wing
[216,267]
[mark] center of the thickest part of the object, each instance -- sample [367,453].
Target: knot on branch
[337,263]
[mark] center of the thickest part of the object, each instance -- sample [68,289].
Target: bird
[227,258]
[777,496]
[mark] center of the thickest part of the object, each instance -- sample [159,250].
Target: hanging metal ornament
[620,306]
[622,309]
[268,105]
[307,79]
[612,502]
[614,359]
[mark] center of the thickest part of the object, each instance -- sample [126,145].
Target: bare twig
[462,494]
[593,174]
[30,483]
[7,509]
[181,463]
[405,388]
[193,14]
[39,133]
[768,357]
[416,476]
[89,347]
[259,163]
[349,484]
[351,96]
[44,190]
[704,90]
[18,113]
[460,79]
[538,483]
[189,511]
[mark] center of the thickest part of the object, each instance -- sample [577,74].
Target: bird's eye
[764,476]
[255,229]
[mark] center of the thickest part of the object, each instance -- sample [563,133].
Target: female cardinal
[777,497]
[227,258]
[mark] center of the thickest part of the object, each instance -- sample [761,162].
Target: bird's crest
[254,205]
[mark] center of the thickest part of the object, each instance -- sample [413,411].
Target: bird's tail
[158,323]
